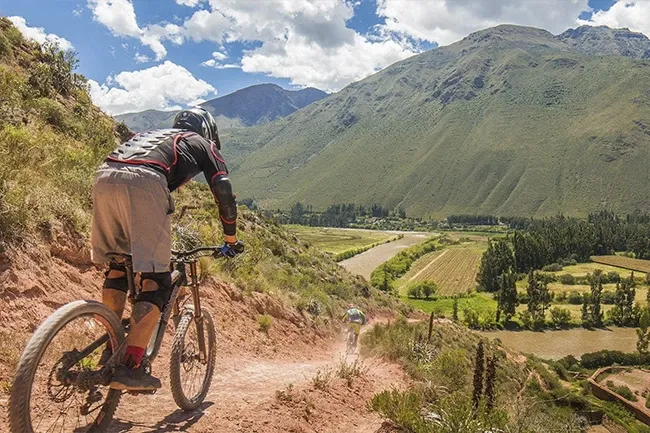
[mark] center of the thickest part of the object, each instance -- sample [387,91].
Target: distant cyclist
[354,318]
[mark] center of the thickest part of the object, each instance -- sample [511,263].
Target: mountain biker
[355,318]
[132,209]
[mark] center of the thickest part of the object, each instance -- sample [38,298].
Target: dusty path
[243,398]
[363,264]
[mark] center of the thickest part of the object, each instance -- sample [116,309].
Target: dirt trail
[243,398]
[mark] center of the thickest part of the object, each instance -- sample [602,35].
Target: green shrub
[526,319]
[51,112]
[574,298]
[403,408]
[471,318]
[608,297]
[522,298]
[561,297]
[553,267]
[560,317]
[607,358]
[414,292]
[265,321]
[452,367]
[5,46]
[622,390]
[613,277]
[567,279]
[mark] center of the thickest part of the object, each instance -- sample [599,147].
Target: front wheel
[190,373]
[59,383]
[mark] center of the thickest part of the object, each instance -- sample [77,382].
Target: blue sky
[143,54]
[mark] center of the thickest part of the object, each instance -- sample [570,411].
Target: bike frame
[174,307]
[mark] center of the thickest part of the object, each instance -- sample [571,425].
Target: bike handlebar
[215,250]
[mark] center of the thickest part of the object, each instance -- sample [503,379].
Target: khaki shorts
[132,210]
[356,327]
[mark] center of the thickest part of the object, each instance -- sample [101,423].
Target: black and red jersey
[180,155]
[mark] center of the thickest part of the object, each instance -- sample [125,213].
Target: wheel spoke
[58,380]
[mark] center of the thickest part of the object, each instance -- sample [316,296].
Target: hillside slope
[254,105]
[509,121]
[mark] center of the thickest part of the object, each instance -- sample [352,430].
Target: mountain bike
[59,372]
[350,342]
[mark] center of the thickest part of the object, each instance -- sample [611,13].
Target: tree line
[336,215]
[467,219]
[564,240]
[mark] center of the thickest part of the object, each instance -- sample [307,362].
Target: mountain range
[254,105]
[510,121]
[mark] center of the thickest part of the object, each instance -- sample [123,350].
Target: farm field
[582,269]
[336,240]
[557,344]
[453,269]
[624,262]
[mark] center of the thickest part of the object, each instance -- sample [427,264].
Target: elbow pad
[226,200]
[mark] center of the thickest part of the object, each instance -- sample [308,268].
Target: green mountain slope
[254,105]
[511,120]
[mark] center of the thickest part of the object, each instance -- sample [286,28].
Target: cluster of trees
[423,289]
[497,274]
[483,220]
[336,215]
[561,239]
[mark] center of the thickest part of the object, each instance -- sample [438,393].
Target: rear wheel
[58,384]
[190,375]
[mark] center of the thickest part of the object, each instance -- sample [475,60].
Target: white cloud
[305,41]
[307,64]
[189,3]
[141,58]
[163,87]
[219,56]
[217,61]
[634,15]
[445,21]
[78,11]
[228,66]
[119,17]
[38,34]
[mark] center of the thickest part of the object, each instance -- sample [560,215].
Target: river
[363,264]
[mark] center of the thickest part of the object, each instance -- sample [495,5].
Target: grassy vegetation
[335,240]
[441,399]
[51,137]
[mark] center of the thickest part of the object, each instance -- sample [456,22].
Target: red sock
[133,356]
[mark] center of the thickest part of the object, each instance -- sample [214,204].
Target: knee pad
[119,283]
[158,297]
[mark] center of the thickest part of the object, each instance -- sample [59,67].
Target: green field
[336,240]
[453,269]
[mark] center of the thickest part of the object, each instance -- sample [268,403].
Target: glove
[231,250]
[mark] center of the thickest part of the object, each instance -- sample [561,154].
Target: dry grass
[624,262]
